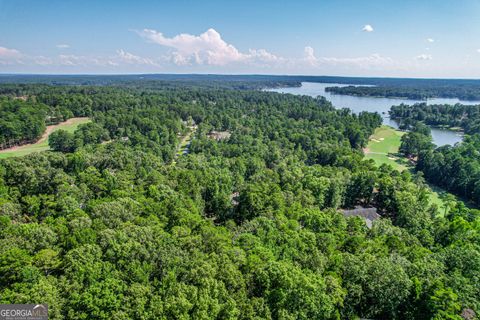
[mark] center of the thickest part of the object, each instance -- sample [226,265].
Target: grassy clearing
[383,148]
[435,198]
[42,144]
[184,145]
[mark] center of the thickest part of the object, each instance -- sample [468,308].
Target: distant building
[468,314]
[219,135]
[234,198]
[369,214]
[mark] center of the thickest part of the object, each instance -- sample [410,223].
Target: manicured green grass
[435,198]
[42,145]
[383,148]
[397,162]
[184,144]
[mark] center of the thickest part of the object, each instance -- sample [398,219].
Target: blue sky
[355,38]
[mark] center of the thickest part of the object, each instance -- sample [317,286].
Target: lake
[381,105]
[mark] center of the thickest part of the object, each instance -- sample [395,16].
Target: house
[219,135]
[369,214]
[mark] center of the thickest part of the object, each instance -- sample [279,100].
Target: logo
[23,312]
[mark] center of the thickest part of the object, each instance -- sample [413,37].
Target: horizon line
[228,74]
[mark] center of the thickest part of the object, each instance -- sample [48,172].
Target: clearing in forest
[184,145]
[42,144]
[383,148]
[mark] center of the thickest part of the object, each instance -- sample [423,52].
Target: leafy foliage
[410,90]
[240,228]
[466,117]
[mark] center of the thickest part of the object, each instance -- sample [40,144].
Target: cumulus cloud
[367,62]
[207,48]
[9,56]
[205,51]
[309,56]
[430,40]
[208,51]
[121,57]
[63,46]
[367,28]
[42,61]
[263,56]
[424,56]
[371,61]
[74,60]
[71,60]
[9,53]
[130,58]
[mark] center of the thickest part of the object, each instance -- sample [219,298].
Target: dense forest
[457,87]
[454,168]
[414,92]
[20,121]
[466,117]
[113,225]
[25,111]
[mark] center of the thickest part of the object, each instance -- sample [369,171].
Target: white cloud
[262,55]
[371,61]
[309,56]
[7,53]
[42,61]
[63,46]
[130,58]
[430,40]
[74,60]
[367,28]
[424,56]
[10,56]
[71,60]
[121,57]
[210,52]
[210,49]
[207,48]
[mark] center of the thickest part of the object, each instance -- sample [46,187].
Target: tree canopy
[113,226]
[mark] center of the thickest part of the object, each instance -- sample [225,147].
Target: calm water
[380,105]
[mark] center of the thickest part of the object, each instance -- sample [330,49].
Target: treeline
[19,84]
[20,121]
[466,117]
[227,81]
[463,92]
[418,138]
[27,110]
[457,169]
[241,228]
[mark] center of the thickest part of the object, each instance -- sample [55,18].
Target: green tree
[61,140]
